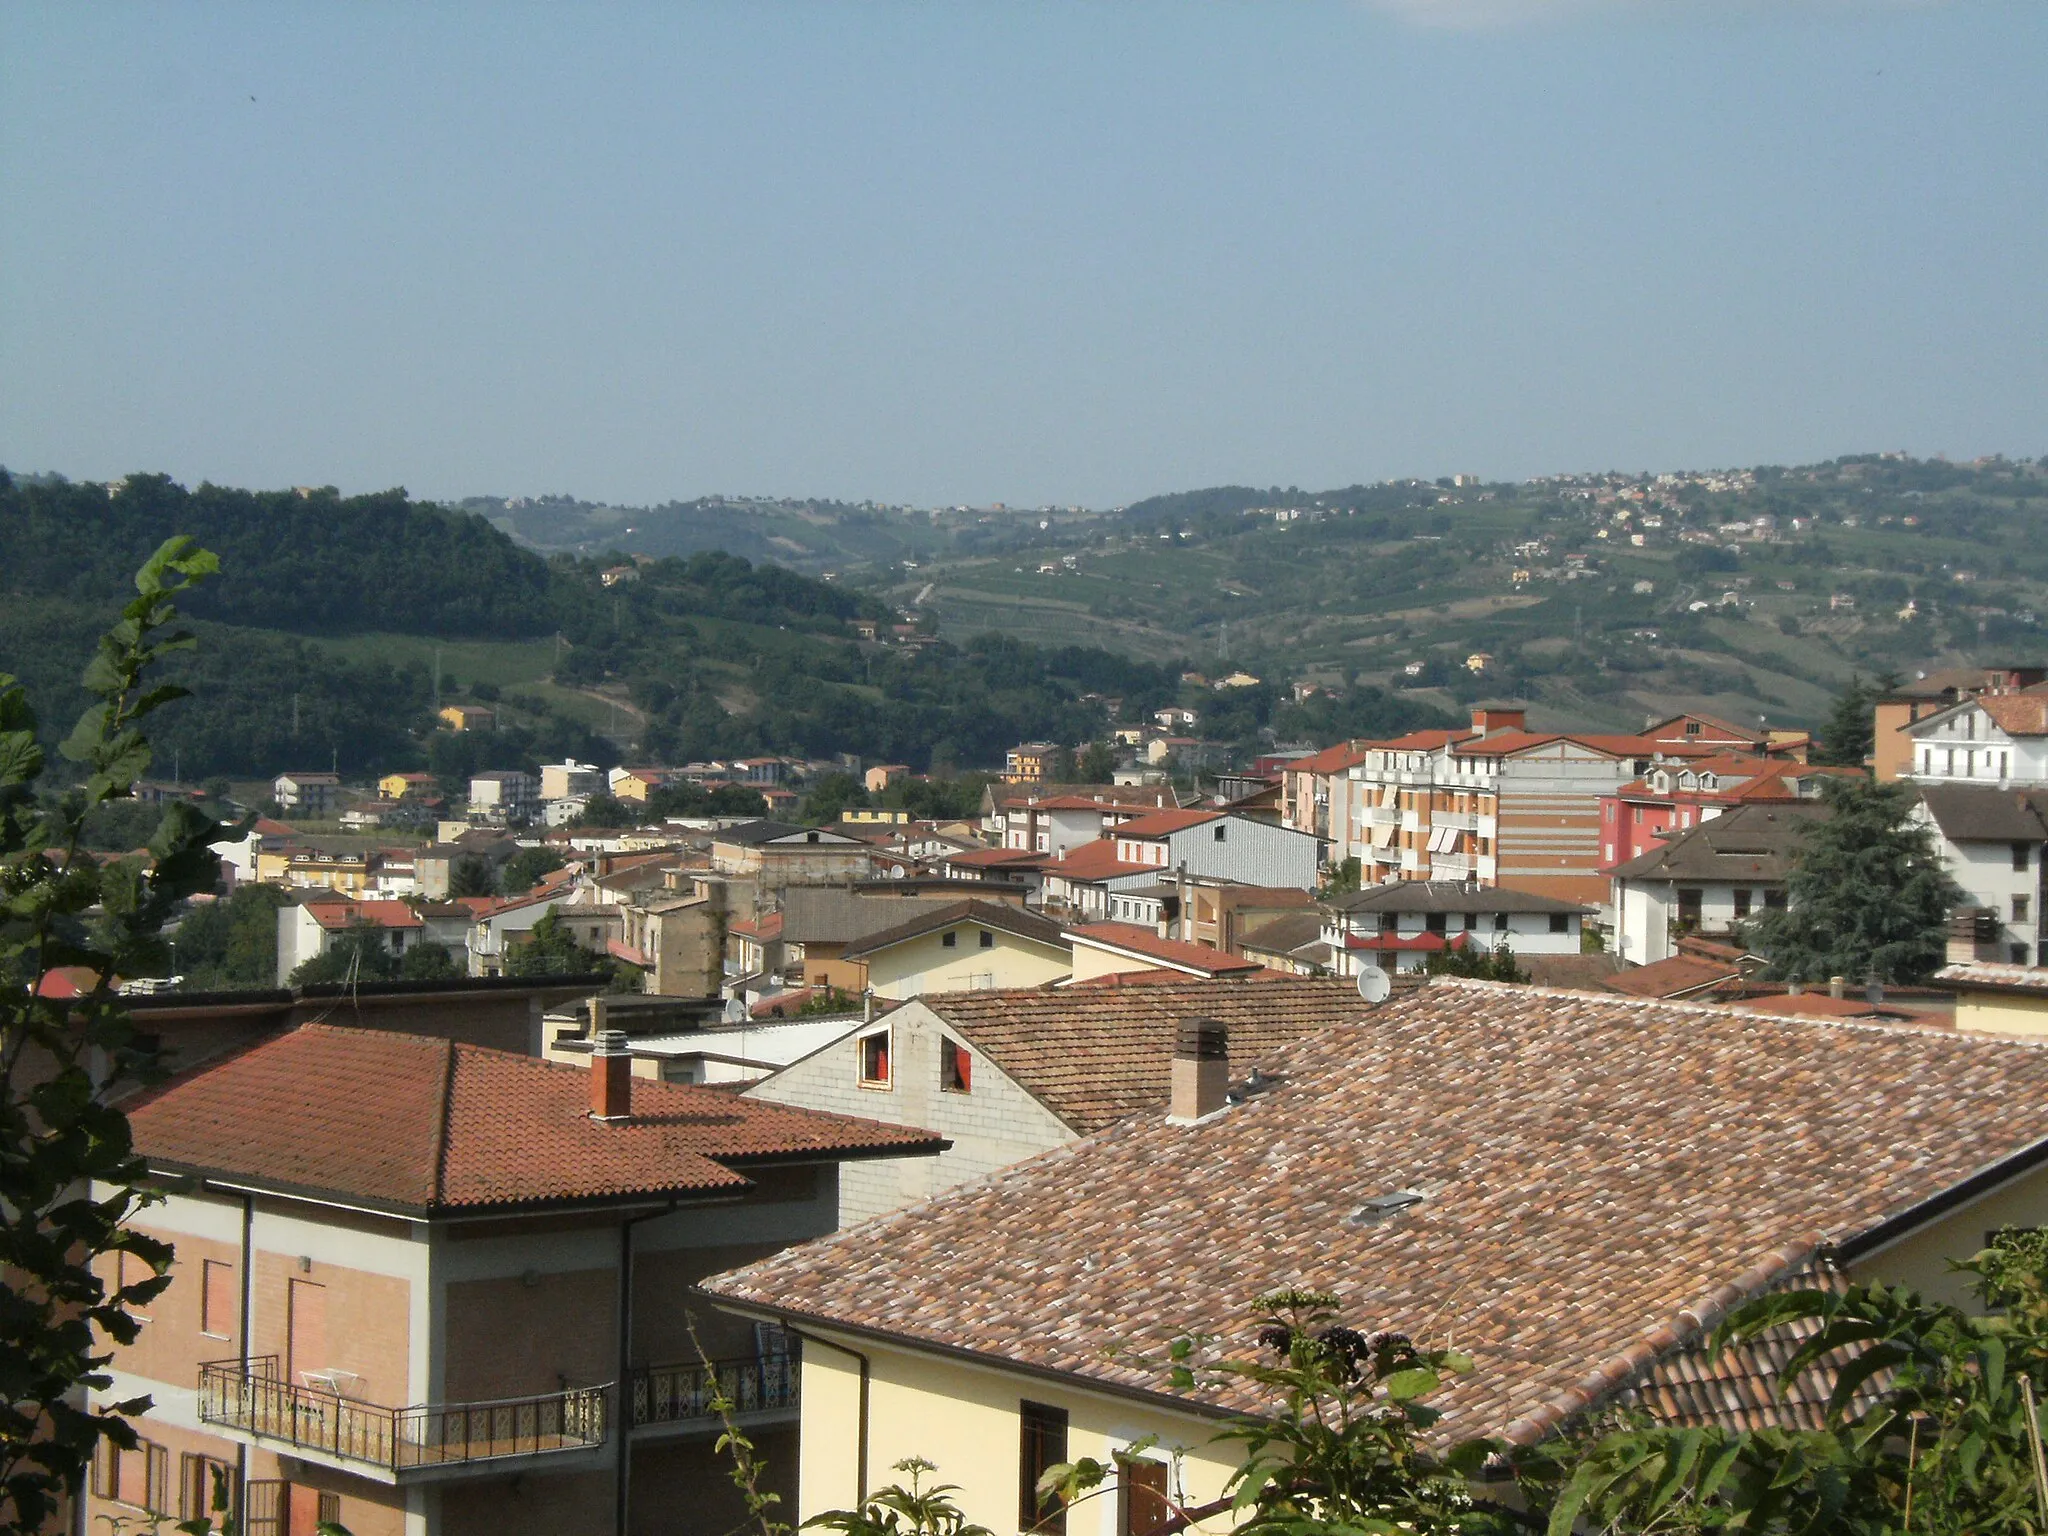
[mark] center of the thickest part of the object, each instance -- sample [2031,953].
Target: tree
[358,953]
[1098,763]
[550,950]
[1340,878]
[1470,959]
[831,794]
[1063,766]
[472,876]
[429,961]
[1850,734]
[1867,895]
[603,811]
[59,1135]
[231,942]
[525,868]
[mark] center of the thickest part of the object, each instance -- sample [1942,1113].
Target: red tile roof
[1674,976]
[429,1127]
[2018,714]
[1160,823]
[1601,1178]
[1097,861]
[1329,760]
[1136,940]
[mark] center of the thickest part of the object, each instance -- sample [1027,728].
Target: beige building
[1572,1188]
[963,946]
[428,1288]
[1999,999]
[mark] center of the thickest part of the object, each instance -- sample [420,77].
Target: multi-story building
[1992,842]
[558,781]
[1994,739]
[1399,925]
[1677,796]
[1030,762]
[1892,750]
[1312,797]
[1708,880]
[426,1288]
[503,795]
[307,795]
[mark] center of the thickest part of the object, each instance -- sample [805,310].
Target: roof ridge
[444,1119]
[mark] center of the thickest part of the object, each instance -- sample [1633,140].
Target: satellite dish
[1373,984]
[735,1011]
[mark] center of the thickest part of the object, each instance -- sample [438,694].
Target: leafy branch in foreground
[895,1510]
[63,911]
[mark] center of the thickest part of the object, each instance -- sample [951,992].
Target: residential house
[435,866]
[467,717]
[560,781]
[1219,844]
[1312,797]
[1126,949]
[307,796]
[1676,796]
[1083,886]
[503,795]
[1003,807]
[676,938]
[634,785]
[366,815]
[345,871]
[407,786]
[1998,999]
[1399,925]
[777,855]
[1532,1174]
[1992,842]
[1892,749]
[1995,739]
[1292,944]
[500,927]
[963,946]
[821,923]
[307,928]
[1030,763]
[882,775]
[1006,1075]
[1709,879]
[427,1287]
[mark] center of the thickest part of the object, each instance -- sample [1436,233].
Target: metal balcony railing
[255,1398]
[681,1394]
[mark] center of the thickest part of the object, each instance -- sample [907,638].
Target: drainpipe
[860,1468]
[622,1487]
[248,1311]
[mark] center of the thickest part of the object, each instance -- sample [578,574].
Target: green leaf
[1411,1383]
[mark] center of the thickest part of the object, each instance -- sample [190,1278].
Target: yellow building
[1542,1178]
[401,786]
[1996,999]
[467,717]
[965,946]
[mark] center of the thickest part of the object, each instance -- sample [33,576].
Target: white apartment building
[1997,740]
[1992,842]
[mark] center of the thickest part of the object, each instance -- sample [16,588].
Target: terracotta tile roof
[1330,760]
[1161,823]
[2017,714]
[1000,916]
[1986,976]
[1096,861]
[1820,1005]
[1418,741]
[1094,1055]
[1284,935]
[1601,1178]
[987,858]
[1674,976]
[430,1127]
[1133,939]
[1577,973]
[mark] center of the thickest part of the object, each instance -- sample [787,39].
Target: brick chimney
[1201,1070]
[611,1076]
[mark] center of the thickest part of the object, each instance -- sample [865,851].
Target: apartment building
[1930,693]
[1677,796]
[306,795]
[1399,925]
[427,1288]
[506,794]
[1996,739]
[1312,797]
[1708,880]
[1030,762]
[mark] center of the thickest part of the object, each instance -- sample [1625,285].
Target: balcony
[1450,866]
[254,1398]
[1382,816]
[1462,821]
[681,1395]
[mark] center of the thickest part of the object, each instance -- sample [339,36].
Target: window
[1434,922]
[874,1058]
[1500,922]
[1141,1497]
[196,1478]
[1560,922]
[1220,833]
[2021,907]
[1741,902]
[988,940]
[1689,903]
[956,1067]
[949,940]
[1692,727]
[140,1478]
[2019,954]
[330,1509]
[218,1310]
[1471,922]
[1042,1444]
[2019,858]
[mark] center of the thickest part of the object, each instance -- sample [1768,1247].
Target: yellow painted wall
[2001,1013]
[963,1418]
[924,964]
[1921,1259]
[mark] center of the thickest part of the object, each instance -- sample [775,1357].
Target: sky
[1054,252]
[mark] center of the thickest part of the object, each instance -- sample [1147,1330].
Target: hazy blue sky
[1068,252]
